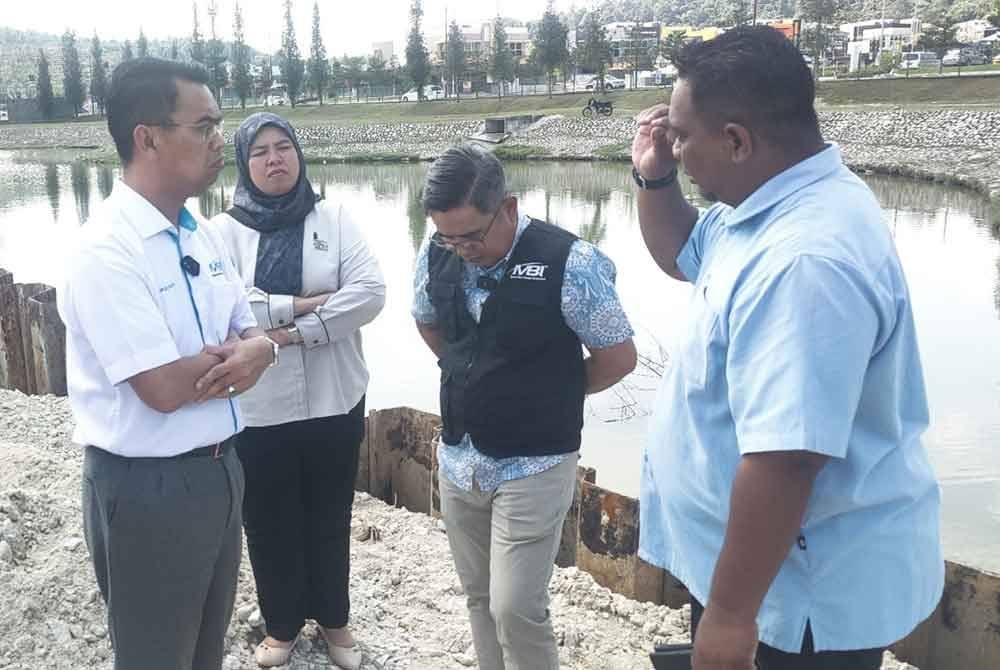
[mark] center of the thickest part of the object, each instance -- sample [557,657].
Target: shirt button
[281,322]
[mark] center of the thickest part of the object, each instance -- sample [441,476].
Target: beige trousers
[504,543]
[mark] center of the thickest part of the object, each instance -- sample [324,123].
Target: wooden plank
[571,525]
[24,293]
[401,457]
[609,542]
[964,631]
[13,371]
[361,481]
[48,343]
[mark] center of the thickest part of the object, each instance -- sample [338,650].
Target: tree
[292,67]
[216,63]
[197,48]
[319,66]
[127,51]
[671,43]
[73,89]
[455,57]
[818,11]
[937,39]
[417,60]
[266,79]
[142,45]
[376,71]
[738,15]
[550,43]
[98,75]
[46,99]
[175,53]
[596,49]
[242,83]
[395,74]
[501,65]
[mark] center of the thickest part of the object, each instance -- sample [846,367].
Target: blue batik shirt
[592,310]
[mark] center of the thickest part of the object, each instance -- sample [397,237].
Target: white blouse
[326,374]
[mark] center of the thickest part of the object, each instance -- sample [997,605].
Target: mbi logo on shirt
[534,271]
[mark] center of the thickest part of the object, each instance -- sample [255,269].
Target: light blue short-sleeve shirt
[800,336]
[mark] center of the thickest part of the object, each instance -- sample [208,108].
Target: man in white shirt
[160,340]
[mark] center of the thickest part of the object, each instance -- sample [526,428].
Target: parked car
[962,57]
[432,92]
[274,100]
[917,59]
[610,82]
[996,59]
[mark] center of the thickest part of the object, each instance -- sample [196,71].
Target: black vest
[515,381]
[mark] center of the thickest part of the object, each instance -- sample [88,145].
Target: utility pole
[754,22]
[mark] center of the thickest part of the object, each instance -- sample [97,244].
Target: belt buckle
[217,451]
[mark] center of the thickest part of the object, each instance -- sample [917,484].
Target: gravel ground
[407,605]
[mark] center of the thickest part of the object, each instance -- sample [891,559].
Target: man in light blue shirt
[784,482]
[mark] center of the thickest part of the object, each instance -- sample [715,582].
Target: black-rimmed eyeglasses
[468,239]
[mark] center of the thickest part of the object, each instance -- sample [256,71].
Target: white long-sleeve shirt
[326,374]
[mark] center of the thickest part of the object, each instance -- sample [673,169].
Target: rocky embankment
[408,610]
[961,146]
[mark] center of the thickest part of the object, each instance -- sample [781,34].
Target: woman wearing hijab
[312,284]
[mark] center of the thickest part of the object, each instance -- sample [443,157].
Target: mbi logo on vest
[534,271]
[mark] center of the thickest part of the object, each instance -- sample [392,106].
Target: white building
[384,49]
[865,39]
[974,30]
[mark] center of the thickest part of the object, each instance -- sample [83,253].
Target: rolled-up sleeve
[801,336]
[108,302]
[590,304]
[422,308]
[358,300]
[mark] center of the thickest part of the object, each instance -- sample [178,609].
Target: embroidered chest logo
[318,244]
[215,268]
[534,271]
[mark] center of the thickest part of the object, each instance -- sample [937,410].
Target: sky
[348,26]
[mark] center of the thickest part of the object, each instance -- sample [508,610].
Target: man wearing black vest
[505,303]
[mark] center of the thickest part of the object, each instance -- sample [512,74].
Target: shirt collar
[144,218]
[784,184]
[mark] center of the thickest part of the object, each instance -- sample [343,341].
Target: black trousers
[769,658]
[297,516]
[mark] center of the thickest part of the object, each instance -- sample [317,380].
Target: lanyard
[197,315]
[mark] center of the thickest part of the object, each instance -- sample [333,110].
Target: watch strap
[651,184]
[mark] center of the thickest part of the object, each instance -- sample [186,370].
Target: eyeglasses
[468,239]
[205,129]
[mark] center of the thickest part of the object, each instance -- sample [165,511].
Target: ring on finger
[231,390]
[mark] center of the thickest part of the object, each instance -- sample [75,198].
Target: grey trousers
[504,543]
[165,538]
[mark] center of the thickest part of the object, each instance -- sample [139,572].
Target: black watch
[650,184]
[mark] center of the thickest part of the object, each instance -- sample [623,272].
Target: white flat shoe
[269,656]
[345,658]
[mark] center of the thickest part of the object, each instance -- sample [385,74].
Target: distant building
[384,49]
[633,44]
[692,34]
[865,39]
[974,31]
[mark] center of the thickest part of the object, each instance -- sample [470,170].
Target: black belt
[215,451]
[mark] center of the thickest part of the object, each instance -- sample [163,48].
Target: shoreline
[959,147]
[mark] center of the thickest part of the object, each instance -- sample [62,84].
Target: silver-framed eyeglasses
[204,129]
[468,239]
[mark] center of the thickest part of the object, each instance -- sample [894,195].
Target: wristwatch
[274,350]
[650,184]
[293,334]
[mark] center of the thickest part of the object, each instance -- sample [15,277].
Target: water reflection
[80,178]
[52,188]
[949,249]
[105,180]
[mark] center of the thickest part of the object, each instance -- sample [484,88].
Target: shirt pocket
[222,295]
[694,359]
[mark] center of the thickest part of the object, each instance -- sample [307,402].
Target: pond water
[951,258]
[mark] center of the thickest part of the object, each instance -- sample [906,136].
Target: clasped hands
[240,365]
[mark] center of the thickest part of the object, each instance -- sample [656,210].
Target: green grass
[614,152]
[916,91]
[513,152]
